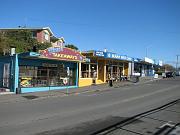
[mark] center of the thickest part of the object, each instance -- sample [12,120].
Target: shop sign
[54,49]
[160,63]
[113,55]
[137,60]
[124,57]
[26,82]
[117,56]
[87,60]
[65,80]
[99,53]
[62,54]
[149,60]
[129,58]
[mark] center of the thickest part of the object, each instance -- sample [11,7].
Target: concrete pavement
[11,97]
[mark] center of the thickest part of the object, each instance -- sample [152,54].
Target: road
[86,112]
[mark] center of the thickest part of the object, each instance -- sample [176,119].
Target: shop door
[6,75]
[52,77]
[42,76]
[119,72]
[101,70]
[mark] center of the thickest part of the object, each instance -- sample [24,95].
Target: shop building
[102,67]
[143,67]
[51,69]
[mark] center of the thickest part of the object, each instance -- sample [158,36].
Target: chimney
[12,51]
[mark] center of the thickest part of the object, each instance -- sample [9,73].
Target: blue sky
[124,26]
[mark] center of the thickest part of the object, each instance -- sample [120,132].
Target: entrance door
[120,73]
[101,70]
[6,75]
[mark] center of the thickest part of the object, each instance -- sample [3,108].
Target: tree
[21,39]
[71,46]
[42,46]
[168,67]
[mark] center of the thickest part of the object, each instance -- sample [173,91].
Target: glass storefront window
[115,72]
[88,70]
[93,71]
[85,70]
[30,76]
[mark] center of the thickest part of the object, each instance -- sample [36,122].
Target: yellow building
[102,67]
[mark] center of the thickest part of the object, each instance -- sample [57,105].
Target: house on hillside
[42,35]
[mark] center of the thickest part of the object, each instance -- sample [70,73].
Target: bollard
[18,90]
[137,78]
[94,81]
[110,83]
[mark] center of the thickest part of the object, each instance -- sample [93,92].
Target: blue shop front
[144,67]
[50,69]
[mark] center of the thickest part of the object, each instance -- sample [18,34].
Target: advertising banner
[99,53]
[62,54]
[117,56]
[149,60]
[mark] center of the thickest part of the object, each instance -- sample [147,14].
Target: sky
[136,28]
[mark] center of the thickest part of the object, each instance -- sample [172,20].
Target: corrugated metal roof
[29,28]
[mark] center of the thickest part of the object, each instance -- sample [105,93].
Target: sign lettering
[62,54]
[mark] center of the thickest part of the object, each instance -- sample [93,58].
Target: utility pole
[147,47]
[177,62]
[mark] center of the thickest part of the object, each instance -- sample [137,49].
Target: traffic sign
[65,81]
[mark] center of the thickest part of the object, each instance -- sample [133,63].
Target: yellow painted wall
[126,69]
[88,81]
[85,82]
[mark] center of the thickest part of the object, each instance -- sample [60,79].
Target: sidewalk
[73,91]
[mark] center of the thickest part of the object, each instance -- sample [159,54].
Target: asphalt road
[86,112]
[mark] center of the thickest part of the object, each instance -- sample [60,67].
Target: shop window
[114,72]
[85,70]
[30,76]
[93,72]
[88,70]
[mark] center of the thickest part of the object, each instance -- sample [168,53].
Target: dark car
[177,73]
[169,74]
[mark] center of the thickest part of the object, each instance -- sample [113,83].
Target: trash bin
[110,83]
[137,78]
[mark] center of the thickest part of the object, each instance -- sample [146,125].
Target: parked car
[170,74]
[177,73]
